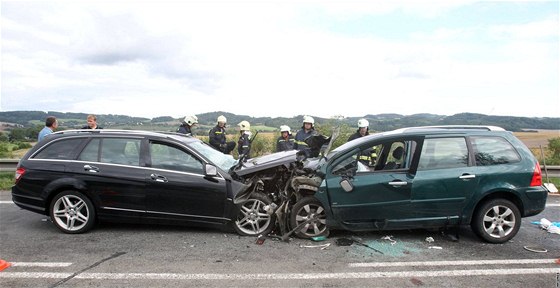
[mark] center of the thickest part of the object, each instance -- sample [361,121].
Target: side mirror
[346,185]
[210,170]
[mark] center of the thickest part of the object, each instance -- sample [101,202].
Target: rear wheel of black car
[252,218]
[72,212]
[311,216]
[496,221]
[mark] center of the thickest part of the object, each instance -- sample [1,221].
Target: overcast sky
[281,58]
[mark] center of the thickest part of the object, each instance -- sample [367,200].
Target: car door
[177,187]
[444,180]
[379,197]
[110,168]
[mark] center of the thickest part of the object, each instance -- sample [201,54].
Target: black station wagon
[80,176]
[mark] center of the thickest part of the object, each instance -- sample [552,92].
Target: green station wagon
[427,177]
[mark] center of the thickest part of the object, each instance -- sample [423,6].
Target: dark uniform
[184,129]
[283,144]
[244,146]
[217,137]
[299,143]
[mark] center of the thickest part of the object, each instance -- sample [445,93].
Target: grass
[6,180]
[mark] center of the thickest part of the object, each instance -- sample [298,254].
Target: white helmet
[308,119]
[222,118]
[363,123]
[191,119]
[244,125]
[285,128]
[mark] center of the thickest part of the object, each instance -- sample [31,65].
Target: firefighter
[307,130]
[286,141]
[217,137]
[363,130]
[367,156]
[244,142]
[187,124]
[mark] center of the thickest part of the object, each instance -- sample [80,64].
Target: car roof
[420,131]
[117,132]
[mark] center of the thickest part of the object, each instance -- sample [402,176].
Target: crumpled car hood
[267,161]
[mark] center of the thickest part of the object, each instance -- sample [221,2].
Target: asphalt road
[121,255]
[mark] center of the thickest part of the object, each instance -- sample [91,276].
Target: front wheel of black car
[252,218]
[72,212]
[496,221]
[309,214]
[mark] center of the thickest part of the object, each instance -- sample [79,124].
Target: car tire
[496,221]
[252,218]
[305,209]
[72,212]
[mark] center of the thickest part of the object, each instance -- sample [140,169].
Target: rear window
[60,150]
[493,151]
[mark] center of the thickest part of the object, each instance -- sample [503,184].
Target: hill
[379,122]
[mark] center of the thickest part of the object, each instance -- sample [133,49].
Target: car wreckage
[418,177]
[280,190]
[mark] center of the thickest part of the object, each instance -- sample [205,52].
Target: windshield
[223,161]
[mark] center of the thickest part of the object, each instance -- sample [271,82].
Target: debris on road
[390,238]
[436,247]
[535,249]
[551,227]
[430,239]
[319,238]
[322,246]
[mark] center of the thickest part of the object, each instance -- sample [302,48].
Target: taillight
[19,172]
[537,176]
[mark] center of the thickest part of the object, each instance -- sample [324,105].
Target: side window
[439,153]
[172,158]
[60,150]
[493,151]
[395,159]
[121,151]
[91,152]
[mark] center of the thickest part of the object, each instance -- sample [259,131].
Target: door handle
[467,176]
[398,183]
[91,168]
[158,178]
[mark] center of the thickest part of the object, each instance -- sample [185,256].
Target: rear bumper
[536,203]
[28,202]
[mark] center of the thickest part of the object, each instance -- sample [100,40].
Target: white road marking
[40,264]
[552,205]
[453,263]
[6,202]
[287,276]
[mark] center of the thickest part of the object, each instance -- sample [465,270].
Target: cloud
[275,58]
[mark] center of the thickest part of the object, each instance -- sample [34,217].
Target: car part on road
[535,249]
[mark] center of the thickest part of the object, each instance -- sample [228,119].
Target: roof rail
[465,127]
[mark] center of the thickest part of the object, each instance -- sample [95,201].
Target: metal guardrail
[9,165]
